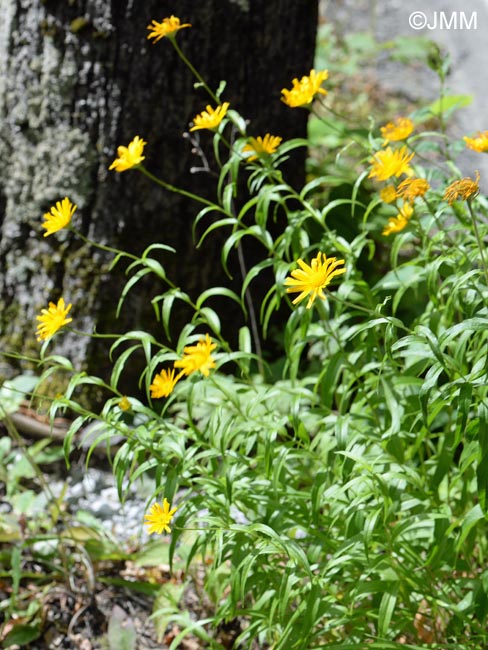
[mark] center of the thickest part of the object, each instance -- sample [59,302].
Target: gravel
[91,492]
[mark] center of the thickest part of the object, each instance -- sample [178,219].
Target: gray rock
[449,23]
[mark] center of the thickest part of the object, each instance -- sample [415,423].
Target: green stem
[178,190]
[442,229]
[108,249]
[442,121]
[351,366]
[94,335]
[251,310]
[17,438]
[428,161]
[478,239]
[333,126]
[20,357]
[370,312]
[193,70]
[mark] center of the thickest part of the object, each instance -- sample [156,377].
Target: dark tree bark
[78,78]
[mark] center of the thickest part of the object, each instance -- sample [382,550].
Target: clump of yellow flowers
[462,190]
[398,223]
[52,319]
[129,156]
[195,357]
[59,216]
[167,27]
[262,146]
[159,518]
[311,280]
[305,89]
[210,118]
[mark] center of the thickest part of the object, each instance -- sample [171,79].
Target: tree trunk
[77,79]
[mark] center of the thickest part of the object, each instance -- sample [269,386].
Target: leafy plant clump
[338,497]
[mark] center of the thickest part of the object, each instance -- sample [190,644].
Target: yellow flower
[462,190]
[267,145]
[400,130]
[305,89]
[210,118]
[158,518]
[478,143]
[197,357]
[124,404]
[387,163]
[129,156]
[59,216]
[398,223]
[167,27]
[52,319]
[411,188]
[313,279]
[164,383]
[388,194]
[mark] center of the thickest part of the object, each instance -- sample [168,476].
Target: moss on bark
[74,84]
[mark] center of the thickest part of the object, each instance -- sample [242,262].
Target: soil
[95,605]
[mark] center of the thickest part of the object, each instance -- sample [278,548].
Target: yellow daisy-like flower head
[262,146]
[399,130]
[164,383]
[313,279]
[52,319]
[478,143]
[197,357]
[124,404]
[398,223]
[159,518]
[304,90]
[411,188]
[130,156]
[167,27]
[59,216]
[390,162]
[462,190]
[210,118]
[388,194]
